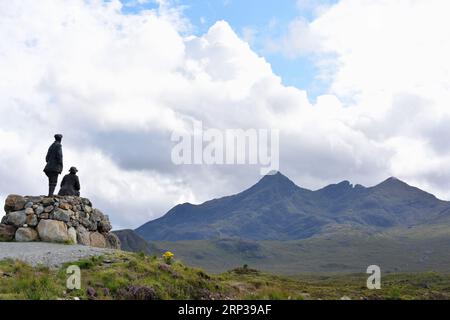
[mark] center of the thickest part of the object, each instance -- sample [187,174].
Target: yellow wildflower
[168,256]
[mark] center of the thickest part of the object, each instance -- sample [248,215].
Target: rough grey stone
[72,235]
[14,202]
[39,210]
[7,232]
[32,220]
[17,218]
[97,240]
[48,201]
[26,235]
[53,231]
[112,241]
[61,215]
[83,236]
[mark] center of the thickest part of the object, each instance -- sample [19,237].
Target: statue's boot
[51,190]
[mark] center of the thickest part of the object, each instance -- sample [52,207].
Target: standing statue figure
[70,184]
[54,165]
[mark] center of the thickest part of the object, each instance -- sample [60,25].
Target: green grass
[417,249]
[138,276]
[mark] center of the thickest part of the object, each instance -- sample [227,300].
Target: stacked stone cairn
[61,219]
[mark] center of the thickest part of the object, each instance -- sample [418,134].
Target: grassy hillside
[418,249]
[131,241]
[138,276]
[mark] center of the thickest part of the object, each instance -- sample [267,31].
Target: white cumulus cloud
[117,85]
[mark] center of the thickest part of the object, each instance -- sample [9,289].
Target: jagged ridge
[277,209]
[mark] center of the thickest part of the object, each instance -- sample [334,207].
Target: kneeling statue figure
[70,184]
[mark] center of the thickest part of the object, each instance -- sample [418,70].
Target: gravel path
[49,254]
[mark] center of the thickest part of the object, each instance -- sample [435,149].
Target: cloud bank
[117,85]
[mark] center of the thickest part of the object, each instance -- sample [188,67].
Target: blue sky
[375,54]
[266,20]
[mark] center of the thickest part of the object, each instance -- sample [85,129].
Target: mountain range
[278,226]
[277,209]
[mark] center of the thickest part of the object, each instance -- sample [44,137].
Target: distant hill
[131,241]
[279,227]
[277,209]
[415,249]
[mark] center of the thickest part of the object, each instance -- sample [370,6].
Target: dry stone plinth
[61,219]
